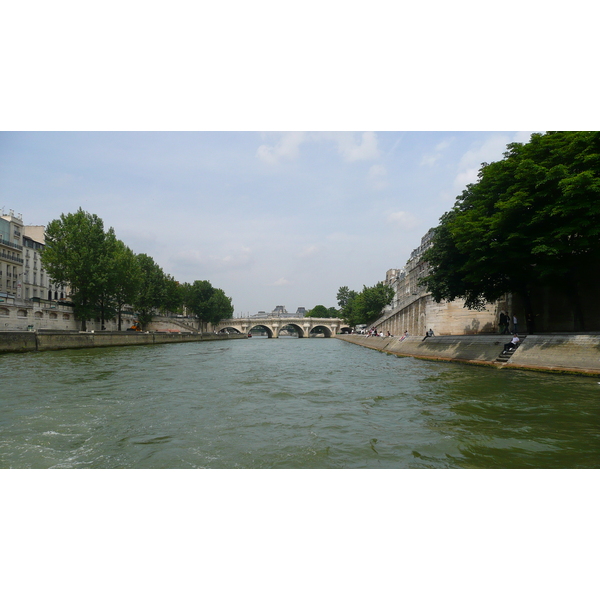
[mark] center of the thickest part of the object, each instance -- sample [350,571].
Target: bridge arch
[229,329]
[320,328]
[297,329]
[268,329]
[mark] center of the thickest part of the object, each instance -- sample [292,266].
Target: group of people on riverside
[504,323]
[374,333]
[504,328]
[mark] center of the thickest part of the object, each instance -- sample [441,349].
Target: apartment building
[11,255]
[29,299]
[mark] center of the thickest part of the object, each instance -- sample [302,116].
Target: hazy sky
[271,218]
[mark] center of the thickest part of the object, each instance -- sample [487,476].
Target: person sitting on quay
[512,344]
[428,334]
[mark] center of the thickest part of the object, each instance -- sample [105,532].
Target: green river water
[287,403]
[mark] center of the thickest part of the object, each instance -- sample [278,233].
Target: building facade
[29,299]
[413,310]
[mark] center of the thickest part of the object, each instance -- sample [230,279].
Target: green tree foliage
[105,301]
[206,303]
[105,275]
[220,307]
[128,278]
[369,304]
[334,313]
[366,306]
[321,312]
[531,219]
[173,299]
[151,293]
[318,312]
[76,254]
[345,298]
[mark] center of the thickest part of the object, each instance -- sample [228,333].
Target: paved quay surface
[553,352]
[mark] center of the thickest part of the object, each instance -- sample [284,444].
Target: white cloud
[351,146]
[351,150]
[308,251]
[490,150]
[229,261]
[377,175]
[403,219]
[430,159]
[287,147]
[281,282]
[377,171]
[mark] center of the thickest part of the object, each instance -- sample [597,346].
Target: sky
[277,155]
[271,218]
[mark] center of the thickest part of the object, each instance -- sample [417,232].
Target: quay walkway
[576,353]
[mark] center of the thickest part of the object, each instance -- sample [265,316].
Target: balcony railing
[4,242]
[7,256]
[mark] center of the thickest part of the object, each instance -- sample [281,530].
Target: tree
[366,306]
[107,279]
[173,300]
[220,307]
[206,303]
[128,278]
[318,312]
[75,254]
[532,219]
[344,296]
[346,299]
[197,299]
[151,292]
[369,304]
[334,313]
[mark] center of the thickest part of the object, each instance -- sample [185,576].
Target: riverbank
[31,341]
[564,353]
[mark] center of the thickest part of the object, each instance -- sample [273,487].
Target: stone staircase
[504,357]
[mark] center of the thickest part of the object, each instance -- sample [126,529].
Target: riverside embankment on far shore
[31,341]
[559,352]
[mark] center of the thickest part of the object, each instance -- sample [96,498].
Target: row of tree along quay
[529,226]
[106,276]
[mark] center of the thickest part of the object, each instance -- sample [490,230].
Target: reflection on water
[287,403]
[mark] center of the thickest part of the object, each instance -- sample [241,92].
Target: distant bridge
[303,326]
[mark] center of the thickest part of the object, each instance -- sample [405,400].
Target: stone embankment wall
[53,316]
[568,353]
[445,318]
[26,341]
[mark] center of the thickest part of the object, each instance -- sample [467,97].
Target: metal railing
[10,244]
[6,256]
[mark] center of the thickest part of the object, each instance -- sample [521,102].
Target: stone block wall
[445,318]
[559,352]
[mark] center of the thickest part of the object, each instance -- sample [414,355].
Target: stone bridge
[304,327]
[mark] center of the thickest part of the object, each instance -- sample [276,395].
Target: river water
[287,403]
